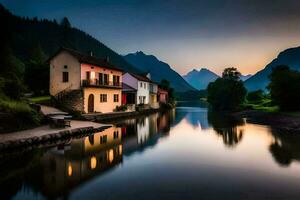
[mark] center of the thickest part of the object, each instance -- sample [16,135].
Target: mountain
[200,79]
[260,80]
[245,77]
[28,34]
[158,70]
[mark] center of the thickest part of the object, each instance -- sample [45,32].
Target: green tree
[226,93]
[255,96]
[285,87]
[65,23]
[231,73]
[37,72]
[10,66]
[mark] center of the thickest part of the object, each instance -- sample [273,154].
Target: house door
[91,103]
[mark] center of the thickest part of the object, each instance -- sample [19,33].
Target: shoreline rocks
[52,138]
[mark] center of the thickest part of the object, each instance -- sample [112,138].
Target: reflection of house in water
[138,134]
[142,129]
[56,172]
[84,159]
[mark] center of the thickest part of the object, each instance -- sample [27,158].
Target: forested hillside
[29,42]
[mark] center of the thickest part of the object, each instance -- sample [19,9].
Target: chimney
[107,59]
[91,53]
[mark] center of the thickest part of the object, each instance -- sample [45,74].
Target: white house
[141,84]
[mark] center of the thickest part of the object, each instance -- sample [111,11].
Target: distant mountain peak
[159,70]
[200,79]
[141,53]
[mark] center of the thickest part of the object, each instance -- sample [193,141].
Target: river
[186,153]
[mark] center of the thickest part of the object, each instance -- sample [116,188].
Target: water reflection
[187,146]
[285,148]
[57,171]
[228,127]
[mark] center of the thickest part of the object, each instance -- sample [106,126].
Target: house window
[66,66]
[116,80]
[116,98]
[141,85]
[142,99]
[116,134]
[103,139]
[88,75]
[105,77]
[145,85]
[101,78]
[65,77]
[103,97]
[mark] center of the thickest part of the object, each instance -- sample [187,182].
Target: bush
[255,96]
[23,115]
[12,88]
[121,108]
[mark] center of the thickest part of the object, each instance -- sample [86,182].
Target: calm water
[186,153]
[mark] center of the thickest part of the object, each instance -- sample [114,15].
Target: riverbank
[114,116]
[45,135]
[283,122]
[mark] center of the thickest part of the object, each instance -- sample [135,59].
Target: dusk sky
[215,34]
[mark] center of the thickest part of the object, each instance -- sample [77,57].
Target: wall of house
[153,88]
[102,107]
[143,90]
[57,68]
[92,144]
[130,80]
[163,97]
[95,70]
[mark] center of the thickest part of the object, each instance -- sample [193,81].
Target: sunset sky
[215,34]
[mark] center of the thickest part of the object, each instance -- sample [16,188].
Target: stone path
[46,130]
[47,110]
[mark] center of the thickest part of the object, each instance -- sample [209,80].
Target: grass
[265,105]
[11,106]
[40,99]
[18,115]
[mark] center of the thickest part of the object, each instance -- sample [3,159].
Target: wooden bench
[60,121]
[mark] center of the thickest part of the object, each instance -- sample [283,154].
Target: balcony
[97,83]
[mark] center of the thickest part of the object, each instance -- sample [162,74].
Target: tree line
[229,94]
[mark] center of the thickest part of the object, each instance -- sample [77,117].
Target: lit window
[111,155]
[116,98]
[70,169]
[93,162]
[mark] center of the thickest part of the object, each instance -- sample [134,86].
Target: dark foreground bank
[281,121]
